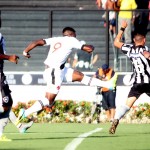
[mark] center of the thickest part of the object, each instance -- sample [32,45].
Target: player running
[140,58]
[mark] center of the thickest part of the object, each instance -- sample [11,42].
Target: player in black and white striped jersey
[140,57]
[141,67]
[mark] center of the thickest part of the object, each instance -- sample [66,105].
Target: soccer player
[6,100]
[56,72]
[140,58]
[6,103]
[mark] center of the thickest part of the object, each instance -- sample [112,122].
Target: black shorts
[5,91]
[108,101]
[138,89]
[5,114]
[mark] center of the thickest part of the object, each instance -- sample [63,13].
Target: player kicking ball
[56,72]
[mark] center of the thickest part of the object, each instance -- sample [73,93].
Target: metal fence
[21,26]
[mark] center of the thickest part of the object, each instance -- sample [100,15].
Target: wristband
[122,29]
[24,53]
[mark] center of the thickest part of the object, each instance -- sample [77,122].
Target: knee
[77,76]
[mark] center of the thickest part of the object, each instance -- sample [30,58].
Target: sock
[19,125]
[86,80]
[121,111]
[13,118]
[37,106]
[3,123]
[93,109]
[94,82]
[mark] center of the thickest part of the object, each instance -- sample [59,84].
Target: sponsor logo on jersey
[5,99]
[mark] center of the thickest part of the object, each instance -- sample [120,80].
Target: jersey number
[139,67]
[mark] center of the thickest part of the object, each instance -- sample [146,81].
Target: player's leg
[3,122]
[134,94]
[6,103]
[79,76]
[37,106]
[93,109]
[22,127]
[53,79]
[120,112]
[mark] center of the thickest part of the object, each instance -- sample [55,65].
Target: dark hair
[139,37]
[68,28]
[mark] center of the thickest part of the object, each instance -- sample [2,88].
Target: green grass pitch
[57,136]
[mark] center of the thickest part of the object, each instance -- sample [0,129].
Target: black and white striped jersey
[141,65]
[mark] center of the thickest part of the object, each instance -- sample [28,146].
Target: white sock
[37,106]
[13,118]
[86,80]
[121,111]
[3,123]
[93,109]
[94,82]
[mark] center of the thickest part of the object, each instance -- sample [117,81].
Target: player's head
[139,39]
[69,31]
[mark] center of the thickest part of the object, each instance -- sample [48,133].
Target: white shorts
[54,78]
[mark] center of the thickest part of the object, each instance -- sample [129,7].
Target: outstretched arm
[32,45]
[87,48]
[117,41]
[11,58]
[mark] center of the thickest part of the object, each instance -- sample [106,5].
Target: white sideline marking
[73,145]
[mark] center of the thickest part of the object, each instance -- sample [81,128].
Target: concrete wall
[25,93]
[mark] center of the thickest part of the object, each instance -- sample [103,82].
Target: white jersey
[60,49]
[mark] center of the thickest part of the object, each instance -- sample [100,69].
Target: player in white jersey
[140,58]
[56,72]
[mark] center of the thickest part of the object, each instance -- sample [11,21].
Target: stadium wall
[25,93]
[26,86]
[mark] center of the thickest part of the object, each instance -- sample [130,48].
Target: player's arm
[117,41]
[11,58]
[146,54]
[87,48]
[32,45]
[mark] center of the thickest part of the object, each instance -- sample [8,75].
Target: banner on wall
[36,78]
[22,93]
